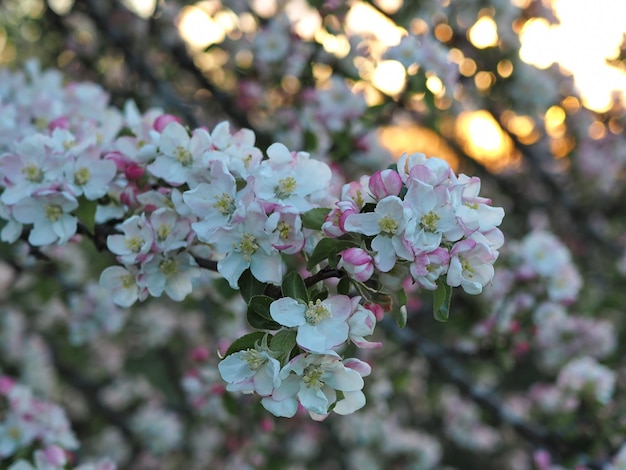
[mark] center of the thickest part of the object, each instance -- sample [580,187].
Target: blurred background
[528,95]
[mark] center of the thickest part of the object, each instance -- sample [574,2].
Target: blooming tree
[177,279]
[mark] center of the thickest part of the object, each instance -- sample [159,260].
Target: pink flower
[385,183]
[357,263]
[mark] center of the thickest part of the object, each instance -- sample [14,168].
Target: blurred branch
[486,399]
[136,61]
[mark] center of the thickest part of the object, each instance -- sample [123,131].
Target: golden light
[389,77]
[483,139]
[443,32]
[467,67]
[581,43]
[412,138]
[198,29]
[505,68]
[143,8]
[484,33]
[536,36]
[555,121]
[597,130]
[365,19]
[435,85]
[337,45]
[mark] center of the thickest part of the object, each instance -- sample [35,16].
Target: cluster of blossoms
[29,422]
[173,202]
[317,378]
[420,219]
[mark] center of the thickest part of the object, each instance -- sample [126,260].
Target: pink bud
[199,354]
[542,459]
[59,123]
[54,455]
[385,183]
[120,160]
[133,171]
[267,425]
[6,384]
[358,263]
[376,309]
[162,121]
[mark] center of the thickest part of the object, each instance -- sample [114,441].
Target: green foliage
[86,213]
[441,301]
[249,341]
[314,218]
[293,286]
[328,249]
[259,313]
[250,286]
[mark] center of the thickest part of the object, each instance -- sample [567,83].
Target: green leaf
[320,294]
[314,218]
[258,314]
[399,307]
[328,249]
[248,341]
[250,286]
[283,343]
[343,286]
[293,286]
[321,252]
[441,301]
[86,213]
[400,315]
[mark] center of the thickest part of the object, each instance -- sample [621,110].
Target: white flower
[387,222]
[471,266]
[181,156]
[320,377]
[48,211]
[135,245]
[122,285]
[170,274]
[288,179]
[250,370]
[245,244]
[322,326]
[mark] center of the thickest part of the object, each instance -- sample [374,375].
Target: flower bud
[357,263]
[54,456]
[385,183]
[162,121]
[59,123]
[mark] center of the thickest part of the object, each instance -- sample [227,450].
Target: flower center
[14,433]
[128,281]
[248,246]
[183,155]
[53,213]
[283,229]
[312,377]
[169,267]
[428,222]
[467,268]
[224,204]
[163,231]
[254,358]
[33,173]
[316,313]
[134,244]
[82,176]
[388,225]
[286,187]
